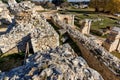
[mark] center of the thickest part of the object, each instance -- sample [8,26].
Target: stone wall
[113,40]
[65,18]
[34,26]
[96,63]
[109,64]
[85,27]
[44,37]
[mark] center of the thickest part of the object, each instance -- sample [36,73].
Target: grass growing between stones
[11,61]
[98,24]
[103,24]
[89,13]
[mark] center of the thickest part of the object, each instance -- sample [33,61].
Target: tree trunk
[96,10]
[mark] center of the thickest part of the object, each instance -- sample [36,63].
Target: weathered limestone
[68,19]
[18,7]
[57,64]
[2,6]
[4,14]
[45,37]
[30,24]
[24,6]
[85,27]
[37,8]
[109,64]
[65,18]
[12,2]
[113,41]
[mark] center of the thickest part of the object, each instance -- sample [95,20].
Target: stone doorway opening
[65,20]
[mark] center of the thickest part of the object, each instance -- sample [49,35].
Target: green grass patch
[11,61]
[103,24]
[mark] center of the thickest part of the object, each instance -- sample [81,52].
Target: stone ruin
[29,27]
[112,43]
[23,6]
[49,62]
[18,7]
[112,62]
[5,17]
[85,26]
[27,23]
[57,64]
[65,18]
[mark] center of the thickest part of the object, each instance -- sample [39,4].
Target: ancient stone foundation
[112,43]
[85,27]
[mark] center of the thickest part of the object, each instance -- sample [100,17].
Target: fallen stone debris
[56,64]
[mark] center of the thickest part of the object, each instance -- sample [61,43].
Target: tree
[98,4]
[58,2]
[111,6]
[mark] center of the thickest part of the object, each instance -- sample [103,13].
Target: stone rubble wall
[45,37]
[98,52]
[57,64]
[33,25]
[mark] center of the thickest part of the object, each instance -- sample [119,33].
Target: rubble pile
[112,62]
[57,64]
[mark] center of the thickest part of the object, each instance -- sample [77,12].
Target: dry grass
[115,53]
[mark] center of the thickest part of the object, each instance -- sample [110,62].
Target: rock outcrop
[57,64]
